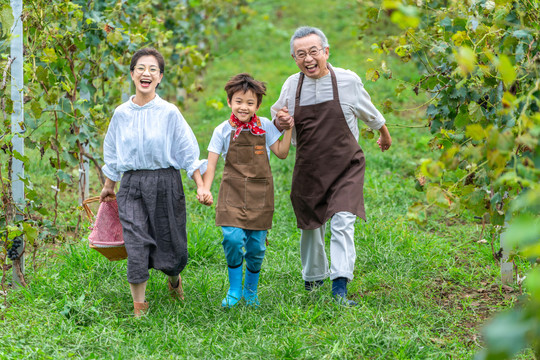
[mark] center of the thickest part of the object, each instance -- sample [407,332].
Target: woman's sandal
[140,308]
[176,292]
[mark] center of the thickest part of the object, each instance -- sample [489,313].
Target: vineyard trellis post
[84,175]
[84,166]
[507,267]
[17,118]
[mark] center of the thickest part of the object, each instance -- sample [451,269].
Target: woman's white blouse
[149,137]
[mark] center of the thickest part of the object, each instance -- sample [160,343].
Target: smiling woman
[147,142]
[147,68]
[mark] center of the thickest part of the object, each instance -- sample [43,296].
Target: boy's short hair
[244,82]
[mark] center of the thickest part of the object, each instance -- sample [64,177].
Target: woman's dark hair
[144,52]
[244,82]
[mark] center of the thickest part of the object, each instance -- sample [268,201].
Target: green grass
[423,292]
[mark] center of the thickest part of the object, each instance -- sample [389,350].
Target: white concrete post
[507,268]
[17,118]
[84,169]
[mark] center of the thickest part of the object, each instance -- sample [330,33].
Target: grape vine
[76,71]
[480,67]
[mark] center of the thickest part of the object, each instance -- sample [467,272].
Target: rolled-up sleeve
[187,151]
[364,109]
[286,98]
[110,155]
[283,100]
[216,144]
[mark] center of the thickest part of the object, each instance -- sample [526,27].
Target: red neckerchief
[253,125]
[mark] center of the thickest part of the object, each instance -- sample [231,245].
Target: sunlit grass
[416,286]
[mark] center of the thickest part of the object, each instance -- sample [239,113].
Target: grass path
[423,292]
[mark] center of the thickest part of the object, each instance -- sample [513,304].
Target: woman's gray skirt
[152,210]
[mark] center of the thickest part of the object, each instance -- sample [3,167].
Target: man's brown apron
[246,195]
[328,174]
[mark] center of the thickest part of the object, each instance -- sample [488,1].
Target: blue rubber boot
[312,285]
[250,288]
[235,287]
[339,290]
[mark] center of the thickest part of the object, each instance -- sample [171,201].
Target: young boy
[246,195]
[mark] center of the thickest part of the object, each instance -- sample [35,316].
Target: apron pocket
[256,193]
[244,154]
[235,191]
[246,193]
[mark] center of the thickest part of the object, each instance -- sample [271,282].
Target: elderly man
[328,177]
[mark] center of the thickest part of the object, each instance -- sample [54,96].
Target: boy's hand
[204,196]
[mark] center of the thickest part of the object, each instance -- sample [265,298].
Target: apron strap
[299,87]
[334,85]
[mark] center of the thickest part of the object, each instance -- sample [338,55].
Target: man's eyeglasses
[313,52]
[153,70]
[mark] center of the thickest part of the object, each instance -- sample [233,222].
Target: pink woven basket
[106,236]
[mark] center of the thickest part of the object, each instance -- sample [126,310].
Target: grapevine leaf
[31,232]
[49,55]
[17,155]
[475,131]
[400,88]
[462,118]
[475,112]
[387,106]
[372,13]
[41,74]
[36,109]
[401,51]
[446,23]
[466,58]
[506,334]
[506,70]
[367,133]
[8,105]
[13,232]
[435,195]
[372,75]
[114,37]
[65,178]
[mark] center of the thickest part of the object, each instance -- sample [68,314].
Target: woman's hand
[204,196]
[108,194]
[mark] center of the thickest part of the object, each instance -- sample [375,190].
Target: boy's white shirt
[220,141]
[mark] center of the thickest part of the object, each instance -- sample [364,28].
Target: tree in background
[76,71]
[480,63]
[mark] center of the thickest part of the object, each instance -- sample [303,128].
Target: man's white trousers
[342,251]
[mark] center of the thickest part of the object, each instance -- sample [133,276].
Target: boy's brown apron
[246,195]
[328,174]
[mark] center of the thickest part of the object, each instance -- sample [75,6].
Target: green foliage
[480,65]
[418,288]
[76,71]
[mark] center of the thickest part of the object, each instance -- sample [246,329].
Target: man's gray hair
[304,31]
